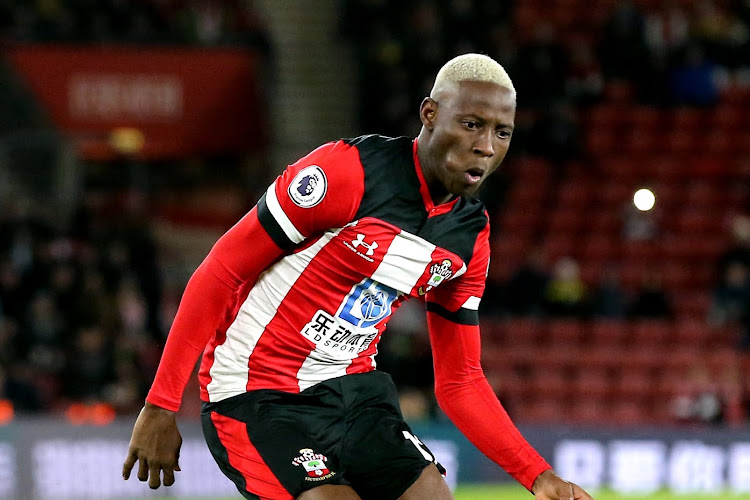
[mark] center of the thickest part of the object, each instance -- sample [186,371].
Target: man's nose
[483,146]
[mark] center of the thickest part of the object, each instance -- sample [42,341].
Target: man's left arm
[465,395]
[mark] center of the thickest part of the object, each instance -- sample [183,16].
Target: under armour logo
[361,241]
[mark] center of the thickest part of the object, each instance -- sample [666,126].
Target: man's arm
[464,394]
[467,398]
[207,304]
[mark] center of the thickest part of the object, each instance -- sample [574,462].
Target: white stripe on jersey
[472,303]
[272,202]
[318,366]
[460,271]
[405,262]
[229,372]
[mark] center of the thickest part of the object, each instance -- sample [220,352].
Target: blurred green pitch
[512,492]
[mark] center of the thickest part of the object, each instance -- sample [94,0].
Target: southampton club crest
[309,187]
[314,464]
[441,271]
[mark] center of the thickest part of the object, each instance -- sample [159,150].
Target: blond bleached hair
[471,67]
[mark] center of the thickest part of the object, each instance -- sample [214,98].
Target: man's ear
[428,113]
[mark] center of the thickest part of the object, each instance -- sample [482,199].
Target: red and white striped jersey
[362,236]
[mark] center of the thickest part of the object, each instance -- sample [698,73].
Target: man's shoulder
[376,141]
[472,208]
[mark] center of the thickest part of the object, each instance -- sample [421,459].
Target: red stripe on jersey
[345,179]
[323,285]
[245,458]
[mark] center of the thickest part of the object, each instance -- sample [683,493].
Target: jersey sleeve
[462,391]
[322,190]
[458,299]
[208,302]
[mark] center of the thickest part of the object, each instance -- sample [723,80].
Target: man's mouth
[473,175]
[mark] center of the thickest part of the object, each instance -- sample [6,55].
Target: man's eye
[503,134]
[471,125]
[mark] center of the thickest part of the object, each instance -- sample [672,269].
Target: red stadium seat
[550,383]
[726,118]
[632,385]
[520,221]
[607,117]
[592,383]
[539,411]
[640,142]
[628,413]
[566,220]
[702,194]
[686,119]
[651,333]
[692,304]
[575,194]
[605,221]
[643,118]
[519,332]
[560,245]
[610,334]
[643,360]
[601,141]
[668,169]
[587,409]
[692,333]
[565,333]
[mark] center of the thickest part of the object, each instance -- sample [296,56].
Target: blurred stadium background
[134,132]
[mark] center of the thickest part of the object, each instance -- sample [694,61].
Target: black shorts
[348,430]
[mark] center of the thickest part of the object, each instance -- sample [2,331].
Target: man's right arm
[208,303]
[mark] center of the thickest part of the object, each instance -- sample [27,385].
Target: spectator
[90,366]
[721,33]
[639,225]
[526,288]
[16,386]
[693,79]
[565,295]
[544,65]
[622,50]
[556,135]
[739,249]
[698,399]
[608,300]
[667,28]
[651,300]
[584,83]
[731,296]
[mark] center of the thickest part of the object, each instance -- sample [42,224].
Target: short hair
[472,67]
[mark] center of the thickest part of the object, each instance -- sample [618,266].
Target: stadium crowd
[83,312]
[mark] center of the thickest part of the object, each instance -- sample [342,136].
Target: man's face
[467,129]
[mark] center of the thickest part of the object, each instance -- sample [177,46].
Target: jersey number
[420,446]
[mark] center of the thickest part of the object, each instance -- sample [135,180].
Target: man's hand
[156,444]
[549,486]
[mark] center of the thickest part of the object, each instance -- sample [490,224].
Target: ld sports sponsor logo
[309,187]
[314,464]
[353,328]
